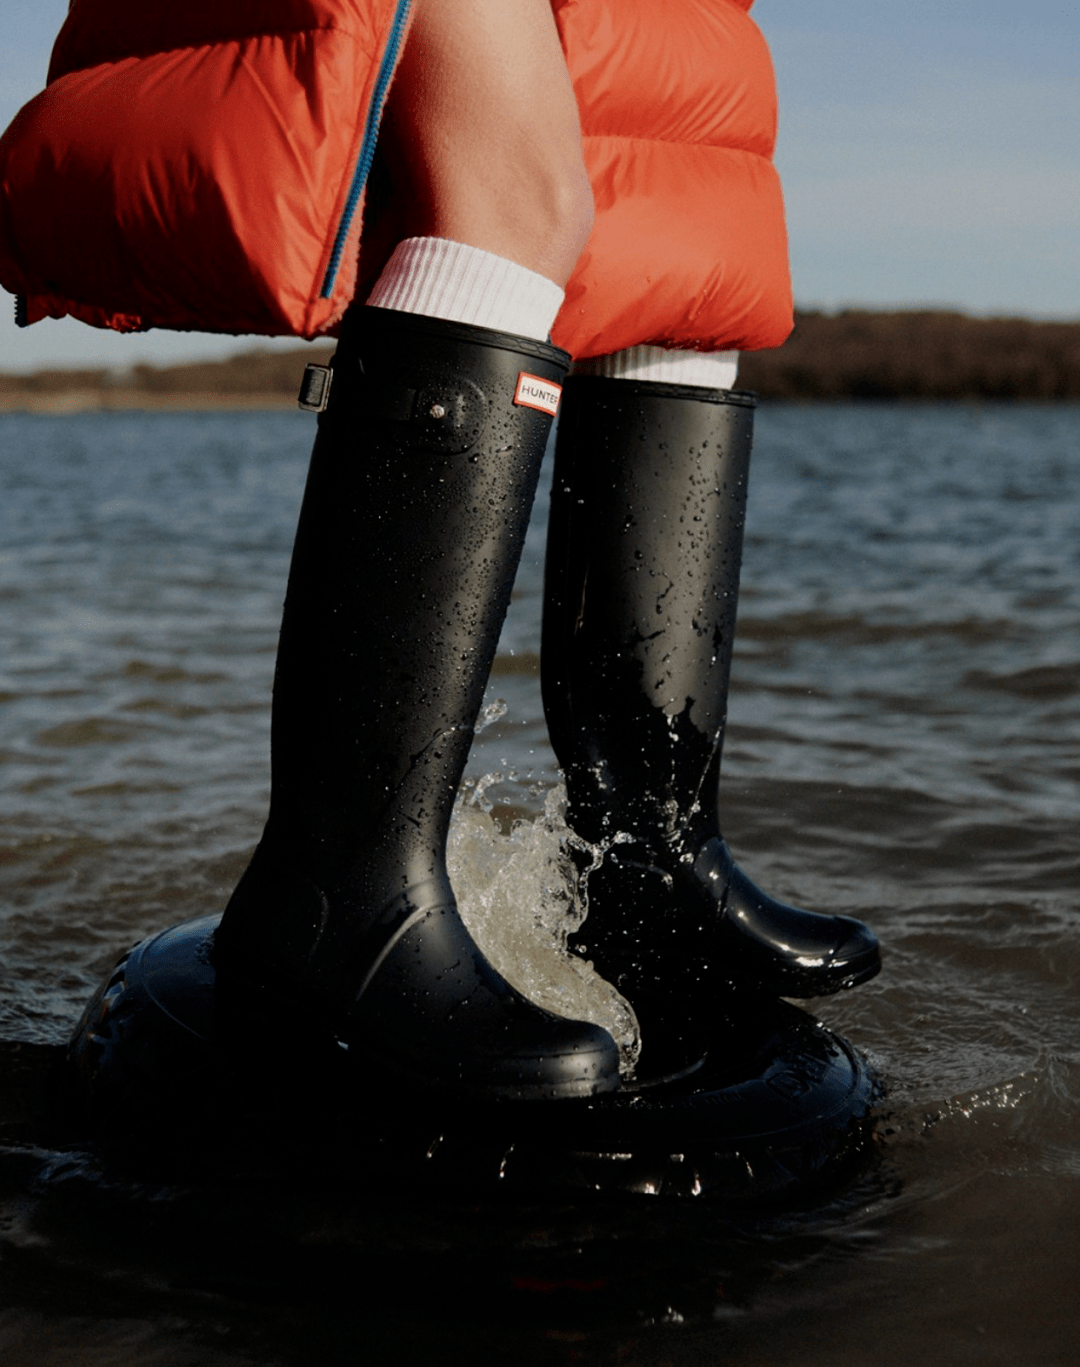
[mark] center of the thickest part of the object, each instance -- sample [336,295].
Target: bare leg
[482,134]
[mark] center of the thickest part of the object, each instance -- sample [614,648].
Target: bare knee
[560,225]
[540,215]
[483,133]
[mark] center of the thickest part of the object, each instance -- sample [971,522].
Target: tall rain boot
[413,519]
[642,579]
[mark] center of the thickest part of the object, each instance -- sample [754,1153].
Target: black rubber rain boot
[417,501]
[642,581]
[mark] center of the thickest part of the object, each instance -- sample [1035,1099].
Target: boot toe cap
[857,957]
[437,1017]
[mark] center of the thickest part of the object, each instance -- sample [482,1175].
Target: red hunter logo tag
[533,392]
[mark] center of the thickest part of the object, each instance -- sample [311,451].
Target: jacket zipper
[367,146]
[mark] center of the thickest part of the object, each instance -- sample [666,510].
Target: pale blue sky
[929,153]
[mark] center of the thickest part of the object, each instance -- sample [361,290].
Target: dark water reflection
[904,745]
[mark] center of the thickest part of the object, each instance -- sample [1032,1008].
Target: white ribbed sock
[463,284]
[706,369]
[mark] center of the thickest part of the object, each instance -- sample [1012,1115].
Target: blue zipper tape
[367,147]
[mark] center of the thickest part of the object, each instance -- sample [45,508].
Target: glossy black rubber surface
[414,514]
[641,590]
[779,1104]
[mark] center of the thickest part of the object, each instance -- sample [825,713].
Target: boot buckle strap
[315,388]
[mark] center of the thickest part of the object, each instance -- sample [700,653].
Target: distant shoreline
[133,401]
[855,354]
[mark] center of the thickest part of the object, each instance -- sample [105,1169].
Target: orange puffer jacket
[202,166]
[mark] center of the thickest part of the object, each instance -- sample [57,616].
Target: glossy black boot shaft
[414,515]
[642,580]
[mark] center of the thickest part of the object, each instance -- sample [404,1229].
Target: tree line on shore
[855,354]
[859,354]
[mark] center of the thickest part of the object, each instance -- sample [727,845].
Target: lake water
[904,746]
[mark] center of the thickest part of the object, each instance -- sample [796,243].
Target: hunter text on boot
[533,392]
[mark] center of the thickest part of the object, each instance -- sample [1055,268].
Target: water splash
[516,894]
[490,714]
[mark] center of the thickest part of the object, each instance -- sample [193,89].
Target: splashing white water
[515,892]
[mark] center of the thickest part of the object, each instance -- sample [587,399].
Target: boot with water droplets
[642,581]
[413,519]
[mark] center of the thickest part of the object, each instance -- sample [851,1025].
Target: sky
[929,153]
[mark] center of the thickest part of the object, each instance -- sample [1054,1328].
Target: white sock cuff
[706,369]
[463,284]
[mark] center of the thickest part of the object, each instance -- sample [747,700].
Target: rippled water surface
[904,745]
